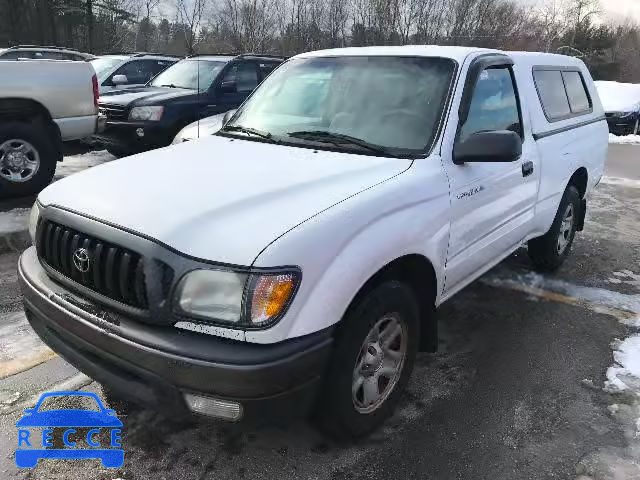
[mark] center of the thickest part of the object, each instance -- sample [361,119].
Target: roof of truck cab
[455,53]
[547,59]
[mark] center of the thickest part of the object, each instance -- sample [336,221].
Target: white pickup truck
[42,104]
[294,259]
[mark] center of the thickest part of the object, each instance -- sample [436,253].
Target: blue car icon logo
[36,432]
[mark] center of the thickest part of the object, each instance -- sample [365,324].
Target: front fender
[341,248]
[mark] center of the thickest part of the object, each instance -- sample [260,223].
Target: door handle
[527,168]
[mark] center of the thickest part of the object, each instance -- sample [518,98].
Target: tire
[17,179]
[547,253]
[345,415]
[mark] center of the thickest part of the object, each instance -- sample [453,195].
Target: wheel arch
[580,180]
[27,110]
[418,272]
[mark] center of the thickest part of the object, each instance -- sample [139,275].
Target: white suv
[295,259]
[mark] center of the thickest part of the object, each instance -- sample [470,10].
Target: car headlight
[152,114]
[242,300]
[34,216]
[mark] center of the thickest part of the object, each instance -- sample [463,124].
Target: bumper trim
[158,378]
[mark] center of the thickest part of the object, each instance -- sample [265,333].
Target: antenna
[199,110]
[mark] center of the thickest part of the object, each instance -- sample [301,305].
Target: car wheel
[27,160]
[373,356]
[549,251]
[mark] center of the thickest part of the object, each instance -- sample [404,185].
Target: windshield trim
[424,153]
[317,146]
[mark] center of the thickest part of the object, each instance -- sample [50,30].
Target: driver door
[492,204]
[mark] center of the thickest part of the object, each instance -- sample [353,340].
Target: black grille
[113,271]
[113,112]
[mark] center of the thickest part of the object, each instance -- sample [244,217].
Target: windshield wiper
[249,131]
[340,139]
[171,85]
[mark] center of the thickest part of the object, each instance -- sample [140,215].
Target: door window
[266,68]
[494,105]
[138,71]
[576,92]
[243,75]
[552,94]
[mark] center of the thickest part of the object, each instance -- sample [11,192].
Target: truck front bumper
[260,383]
[134,137]
[623,126]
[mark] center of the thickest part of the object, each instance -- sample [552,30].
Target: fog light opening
[214,407]
[140,132]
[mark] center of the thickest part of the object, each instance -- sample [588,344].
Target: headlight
[34,216]
[246,300]
[146,113]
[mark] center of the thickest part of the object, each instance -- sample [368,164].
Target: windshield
[192,74]
[394,103]
[104,65]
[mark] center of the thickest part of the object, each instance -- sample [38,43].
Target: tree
[189,13]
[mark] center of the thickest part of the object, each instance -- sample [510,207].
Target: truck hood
[145,95]
[219,199]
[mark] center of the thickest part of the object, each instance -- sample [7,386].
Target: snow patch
[624,182]
[598,299]
[624,139]
[76,163]
[626,373]
[16,220]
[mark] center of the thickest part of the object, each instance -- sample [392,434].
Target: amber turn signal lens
[271,295]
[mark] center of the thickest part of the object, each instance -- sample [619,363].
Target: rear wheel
[549,251]
[372,360]
[27,159]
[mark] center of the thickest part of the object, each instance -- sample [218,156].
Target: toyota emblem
[81,260]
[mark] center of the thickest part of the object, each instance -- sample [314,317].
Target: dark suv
[140,119]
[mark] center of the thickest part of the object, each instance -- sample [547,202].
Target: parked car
[295,258]
[34,52]
[141,119]
[621,102]
[129,70]
[203,128]
[34,121]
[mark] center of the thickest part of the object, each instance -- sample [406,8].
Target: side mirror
[120,79]
[29,410]
[109,411]
[228,115]
[228,86]
[491,146]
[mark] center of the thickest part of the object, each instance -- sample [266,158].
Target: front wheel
[548,252]
[375,349]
